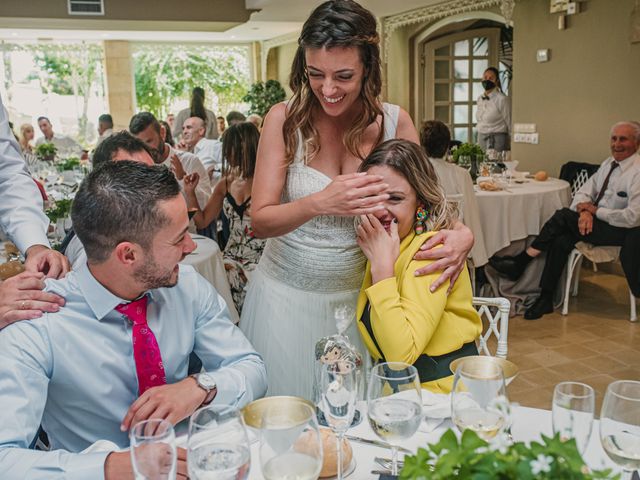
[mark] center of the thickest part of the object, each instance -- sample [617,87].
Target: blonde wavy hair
[410,161]
[336,23]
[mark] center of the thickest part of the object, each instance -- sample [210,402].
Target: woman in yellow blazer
[399,318]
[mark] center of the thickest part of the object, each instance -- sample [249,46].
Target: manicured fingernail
[432,289]
[122,429]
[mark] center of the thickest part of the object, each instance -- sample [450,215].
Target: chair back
[577,174]
[494,313]
[458,200]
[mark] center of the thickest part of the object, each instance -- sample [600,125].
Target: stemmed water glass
[573,409]
[153,450]
[620,425]
[338,395]
[218,445]
[479,400]
[394,403]
[290,442]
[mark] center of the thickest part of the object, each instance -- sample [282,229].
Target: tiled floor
[595,344]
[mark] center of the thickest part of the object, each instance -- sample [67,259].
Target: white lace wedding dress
[300,279]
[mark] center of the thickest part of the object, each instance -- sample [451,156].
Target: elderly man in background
[117,352]
[22,218]
[208,151]
[63,143]
[145,127]
[603,212]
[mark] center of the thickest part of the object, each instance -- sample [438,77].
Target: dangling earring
[421,218]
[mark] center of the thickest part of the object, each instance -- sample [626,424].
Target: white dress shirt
[64,144]
[192,164]
[210,154]
[22,216]
[620,204]
[456,180]
[494,115]
[74,370]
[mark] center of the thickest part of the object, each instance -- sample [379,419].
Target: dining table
[527,425]
[519,210]
[207,260]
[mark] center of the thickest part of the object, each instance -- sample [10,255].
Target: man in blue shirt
[76,371]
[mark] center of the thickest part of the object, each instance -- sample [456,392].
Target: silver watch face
[206,381]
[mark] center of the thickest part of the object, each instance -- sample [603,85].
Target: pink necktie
[146,352]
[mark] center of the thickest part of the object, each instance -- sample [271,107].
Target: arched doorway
[450,59]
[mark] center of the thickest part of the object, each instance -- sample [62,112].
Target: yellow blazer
[408,320]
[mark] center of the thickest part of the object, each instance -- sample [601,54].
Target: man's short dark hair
[106,119]
[235,117]
[118,141]
[43,118]
[435,138]
[141,121]
[118,202]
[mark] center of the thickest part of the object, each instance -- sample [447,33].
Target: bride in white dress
[306,192]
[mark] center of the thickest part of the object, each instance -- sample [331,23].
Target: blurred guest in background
[105,127]
[26,137]
[221,125]
[256,120]
[65,144]
[234,117]
[196,109]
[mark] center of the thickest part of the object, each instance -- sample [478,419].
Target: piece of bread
[541,176]
[329,448]
[489,186]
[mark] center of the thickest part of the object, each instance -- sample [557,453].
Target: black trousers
[630,259]
[558,237]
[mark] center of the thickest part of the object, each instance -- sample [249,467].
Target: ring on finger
[23,305]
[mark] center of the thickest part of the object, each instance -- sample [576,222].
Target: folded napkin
[436,408]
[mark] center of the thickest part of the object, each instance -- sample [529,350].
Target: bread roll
[329,444]
[541,176]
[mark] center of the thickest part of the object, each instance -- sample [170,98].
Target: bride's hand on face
[379,246]
[351,195]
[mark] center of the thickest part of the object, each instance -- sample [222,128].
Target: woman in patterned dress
[232,194]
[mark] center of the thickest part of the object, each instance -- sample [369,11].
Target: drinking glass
[290,442]
[338,395]
[153,450]
[394,402]
[620,425]
[572,412]
[218,446]
[479,400]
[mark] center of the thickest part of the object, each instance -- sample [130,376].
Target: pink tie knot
[136,311]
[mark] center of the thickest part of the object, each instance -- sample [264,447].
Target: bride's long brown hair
[336,23]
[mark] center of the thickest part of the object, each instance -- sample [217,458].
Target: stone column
[120,85]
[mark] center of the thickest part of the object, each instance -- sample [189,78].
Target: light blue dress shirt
[74,370]
[22,217]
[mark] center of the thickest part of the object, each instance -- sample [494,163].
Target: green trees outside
[166,73]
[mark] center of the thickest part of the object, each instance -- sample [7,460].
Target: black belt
[429,367]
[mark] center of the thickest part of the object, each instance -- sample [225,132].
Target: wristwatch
[208,384]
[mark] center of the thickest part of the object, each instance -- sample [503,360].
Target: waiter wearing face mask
[494,114]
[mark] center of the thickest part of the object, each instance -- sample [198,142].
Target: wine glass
[218,446]
[572,412]
[338,395]
[394,402]
[290,442]
[153,450]
[620,425]
[479,400]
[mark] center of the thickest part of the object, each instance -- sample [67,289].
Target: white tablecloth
[207,260]
[519,211]
[528,423]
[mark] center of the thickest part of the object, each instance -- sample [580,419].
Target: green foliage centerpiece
[472,458]
[46,151]
[264,95]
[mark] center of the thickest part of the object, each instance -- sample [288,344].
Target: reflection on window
[461,92]
[461,69]
[480,46]
[461,49]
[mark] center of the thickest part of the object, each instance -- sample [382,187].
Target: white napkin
[436,408]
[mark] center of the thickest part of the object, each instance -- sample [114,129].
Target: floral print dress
[243,249]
